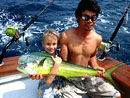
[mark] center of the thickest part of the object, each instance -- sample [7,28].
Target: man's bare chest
[82,48]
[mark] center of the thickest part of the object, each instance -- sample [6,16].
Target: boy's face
[50,44]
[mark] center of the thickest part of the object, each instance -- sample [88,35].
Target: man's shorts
[95,87]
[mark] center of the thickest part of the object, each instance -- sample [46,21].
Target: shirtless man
[79,46]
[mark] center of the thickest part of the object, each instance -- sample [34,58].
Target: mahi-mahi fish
[41,63]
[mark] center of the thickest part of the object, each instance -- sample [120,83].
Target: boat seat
[9,67]
[122,78]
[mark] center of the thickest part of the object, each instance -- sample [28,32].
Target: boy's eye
[48,44]
[54,43]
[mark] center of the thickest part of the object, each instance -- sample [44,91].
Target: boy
[49,85]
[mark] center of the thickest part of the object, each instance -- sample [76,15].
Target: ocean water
[60,16]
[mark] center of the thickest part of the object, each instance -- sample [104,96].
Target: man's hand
[85,76]
[101,72]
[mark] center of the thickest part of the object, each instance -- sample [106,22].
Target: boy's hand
[57,60]
[36,76]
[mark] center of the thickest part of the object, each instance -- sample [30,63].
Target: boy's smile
[50,44]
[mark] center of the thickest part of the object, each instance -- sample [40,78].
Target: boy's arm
[48,79]
[57,61]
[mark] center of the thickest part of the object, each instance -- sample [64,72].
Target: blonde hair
[50,33]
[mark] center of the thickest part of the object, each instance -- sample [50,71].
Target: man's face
[87,20]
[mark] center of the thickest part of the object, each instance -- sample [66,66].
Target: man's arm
[93,59]
[93,63]
[64,47]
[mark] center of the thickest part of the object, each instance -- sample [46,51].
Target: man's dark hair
[90,5]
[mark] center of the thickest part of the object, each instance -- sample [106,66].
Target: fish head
[27,64]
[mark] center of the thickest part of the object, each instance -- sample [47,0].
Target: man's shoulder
[68,33]
[98,36]
[71,30]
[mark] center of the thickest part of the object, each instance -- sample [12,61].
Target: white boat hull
[22,87]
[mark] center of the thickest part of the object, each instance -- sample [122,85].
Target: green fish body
[41,63]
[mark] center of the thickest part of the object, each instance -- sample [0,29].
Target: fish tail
[109,77]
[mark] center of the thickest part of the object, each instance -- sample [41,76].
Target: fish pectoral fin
[41,62]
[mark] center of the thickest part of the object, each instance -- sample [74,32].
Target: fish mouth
[21,70]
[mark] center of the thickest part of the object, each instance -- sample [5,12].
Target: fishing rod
[17,32]
[108,46]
